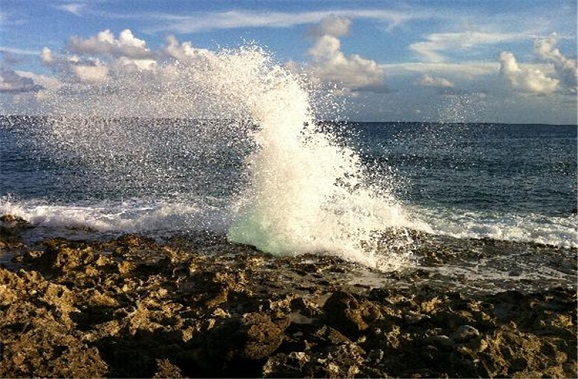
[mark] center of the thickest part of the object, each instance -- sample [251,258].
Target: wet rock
[263,336]
[165,369]
[38,335]
[11,228]
[345,313]
[465,333]
[441,341]
[134,307]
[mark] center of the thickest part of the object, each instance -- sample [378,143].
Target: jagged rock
[263,336]
[135,307]
[344,313]
[167,370]
[465,333]
[11,228]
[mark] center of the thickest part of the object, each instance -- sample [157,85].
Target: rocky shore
[132,306]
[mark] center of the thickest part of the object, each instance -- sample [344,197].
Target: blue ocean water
[478,167]
[510,182]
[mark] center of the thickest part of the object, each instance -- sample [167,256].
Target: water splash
[300,190]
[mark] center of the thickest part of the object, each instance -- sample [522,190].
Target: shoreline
[134,307]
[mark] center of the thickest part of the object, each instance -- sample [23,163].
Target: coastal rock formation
[134,307]
[11,228]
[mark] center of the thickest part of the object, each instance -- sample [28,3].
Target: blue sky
[491,61]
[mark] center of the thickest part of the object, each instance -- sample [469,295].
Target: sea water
[235,144]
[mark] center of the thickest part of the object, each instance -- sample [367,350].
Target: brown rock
[11,228]
[343,312]
[263,336]
[133,307]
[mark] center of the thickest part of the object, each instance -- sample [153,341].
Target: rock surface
[133,307]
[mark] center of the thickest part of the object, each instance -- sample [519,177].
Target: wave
[159,217]
[560,231]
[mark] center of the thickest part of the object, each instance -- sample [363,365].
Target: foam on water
[559,231]
[130,216]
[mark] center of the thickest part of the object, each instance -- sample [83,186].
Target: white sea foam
[176,216]
[306,193]
[559,231]
[133,216]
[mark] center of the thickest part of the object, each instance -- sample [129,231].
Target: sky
[508,61]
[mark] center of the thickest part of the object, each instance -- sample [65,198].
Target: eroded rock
[135,307]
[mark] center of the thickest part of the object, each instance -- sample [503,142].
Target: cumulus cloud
[135,65]
[183,52]
[432,81]
[123,61]
[12,82]
[95,73]
[565,67]
[330,64]
[44,82]
[126,45]
[97,58]
[84,70]
[528,80]
[130,69]
[46,56]
[332,25]
[560,78]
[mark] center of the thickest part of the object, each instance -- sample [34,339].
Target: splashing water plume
[301,190]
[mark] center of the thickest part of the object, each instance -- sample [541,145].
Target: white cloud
[105,42]
[353,73]
[46,82]
[201,22]
[431,81]
[85,70]
[104,56]
[558,75]
[12,82]
[90,73]
[565,67]
[184,52]
[439,44]
[128,67]
[332,25]
[122,54]
[46,56]
[16,51]
[463,70]
[74,8]
[528,80]
[135,65]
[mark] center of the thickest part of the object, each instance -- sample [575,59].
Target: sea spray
[300,190]
[306,193]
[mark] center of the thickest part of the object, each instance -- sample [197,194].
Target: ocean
[510,182]
[245,156]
